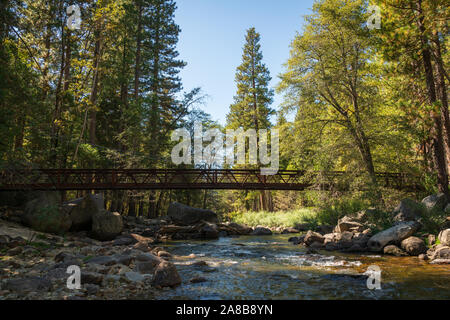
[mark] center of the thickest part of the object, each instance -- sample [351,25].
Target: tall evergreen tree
[251,108]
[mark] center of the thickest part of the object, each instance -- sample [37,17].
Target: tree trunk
[94,92]
[137,68]
[438,141]
[443,96]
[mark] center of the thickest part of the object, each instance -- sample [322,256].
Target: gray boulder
[312,237]
[444,237]
[166,275]
[408,210]
[147,267]
[435,202]
[82,210]
[209,231]
[106,225]
[348,224]
[185,215]
[261,231]
[44,214]
[414,246]
[392,235]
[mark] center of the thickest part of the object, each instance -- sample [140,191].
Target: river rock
[102,260]
[44,214]
[185,215]
[289,230]
[261,231]
[347,224]
[297,240]
[240,229]
[209,231]
[394,251]
[441,252]
[414,246]
[312,237]
[166,275]
[142,246]
[134,276]
[408,210]
[198,280]
[91,277]
[82,210]
[444,237]
[392,235]
[106,225]
[164,254]
[28,285]
[435,202]
[423,257]
[146,267]
[440,261]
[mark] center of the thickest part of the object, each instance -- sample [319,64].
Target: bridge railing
[160,179]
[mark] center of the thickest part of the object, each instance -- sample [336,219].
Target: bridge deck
[165,179]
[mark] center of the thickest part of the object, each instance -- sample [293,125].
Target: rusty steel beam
[165,179]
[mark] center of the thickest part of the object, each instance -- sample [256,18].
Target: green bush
[274,219]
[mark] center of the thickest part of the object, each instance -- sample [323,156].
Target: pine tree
[251,108]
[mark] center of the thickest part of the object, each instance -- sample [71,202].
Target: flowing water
[270,267]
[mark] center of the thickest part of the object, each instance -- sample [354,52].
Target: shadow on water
[272,268]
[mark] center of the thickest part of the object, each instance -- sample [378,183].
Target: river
[269,267]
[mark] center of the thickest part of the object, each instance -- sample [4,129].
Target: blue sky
[213,35]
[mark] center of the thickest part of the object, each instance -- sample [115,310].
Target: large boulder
[44,214]
[444,237]
[312,237]
[435,202]
[185,215]
[348,224]
[82,210]
[209,231]
[392,235]
[408,210]
[166,275]
[414,246]
[106,225]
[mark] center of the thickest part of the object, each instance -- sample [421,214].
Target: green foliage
[251,108]
[274,219]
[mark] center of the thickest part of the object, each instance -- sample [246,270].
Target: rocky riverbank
[353,233]
[121,257]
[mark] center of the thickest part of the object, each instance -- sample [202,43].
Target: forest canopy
[109,94]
